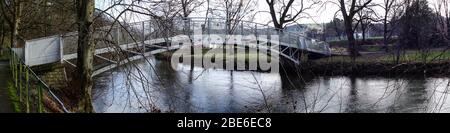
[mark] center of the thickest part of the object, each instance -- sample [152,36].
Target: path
[5,104]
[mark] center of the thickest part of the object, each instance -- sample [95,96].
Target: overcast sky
[319,14]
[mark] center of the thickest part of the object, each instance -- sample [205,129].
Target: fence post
[61,48]
[11,61]
[28,91]
[40,107]
[15,70]
[19,76]
[12,66]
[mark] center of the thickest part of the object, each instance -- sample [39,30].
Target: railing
[241,27]
[140,32]
[33,93]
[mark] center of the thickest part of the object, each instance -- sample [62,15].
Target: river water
[220,91]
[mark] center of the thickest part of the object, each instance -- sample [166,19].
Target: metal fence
[34,95]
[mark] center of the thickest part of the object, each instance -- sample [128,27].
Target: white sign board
[43,51]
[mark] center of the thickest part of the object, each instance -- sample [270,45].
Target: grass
[15,102]
[372,48]
[369,41]
[421,57]
[389,58]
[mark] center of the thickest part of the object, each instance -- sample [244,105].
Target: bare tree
[284,12]
[364,20]
[349,9]
[190,6]
[443,12]
[334,29]
[392,11]
[233,11]
[86,48]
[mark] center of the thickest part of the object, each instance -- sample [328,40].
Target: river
[219,91]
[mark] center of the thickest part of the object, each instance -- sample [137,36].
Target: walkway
[5,104]
[146,38]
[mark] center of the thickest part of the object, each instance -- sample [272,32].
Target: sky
[319,14]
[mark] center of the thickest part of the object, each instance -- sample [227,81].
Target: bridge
[120,44]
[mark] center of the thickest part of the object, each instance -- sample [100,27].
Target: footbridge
[120,44]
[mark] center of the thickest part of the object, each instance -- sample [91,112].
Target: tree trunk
[385,35]
[351,39]
[85,51]
[3,33]
[17,19]
[363,30]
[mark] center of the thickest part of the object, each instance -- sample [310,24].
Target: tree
[417,27]
[443,12]
[335,29]
[349,9]
[12,10]
[86,48]
[392,11]
[189,6]
[337,25]
[284,12]
[233,11]
[364,21]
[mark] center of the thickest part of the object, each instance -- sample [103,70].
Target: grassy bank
[369,41]
[15,102]
[412,63]
[412,56]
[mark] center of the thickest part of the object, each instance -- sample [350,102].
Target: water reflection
[199,90]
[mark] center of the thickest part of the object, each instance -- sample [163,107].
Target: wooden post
[13,66]
[40,107]
[19,76]
[11,61]
[27,84]
[15,70]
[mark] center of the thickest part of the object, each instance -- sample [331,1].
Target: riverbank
[434,64]
[432,69]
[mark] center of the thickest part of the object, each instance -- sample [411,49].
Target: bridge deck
[147,36]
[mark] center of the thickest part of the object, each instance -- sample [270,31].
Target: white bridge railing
[134,35]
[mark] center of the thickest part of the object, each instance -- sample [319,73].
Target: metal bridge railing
[138,32]
[33,93]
